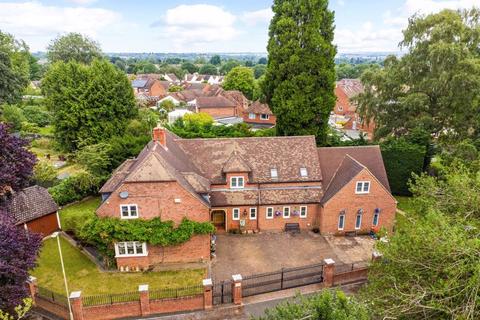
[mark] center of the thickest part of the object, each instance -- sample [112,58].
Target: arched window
[358,219]
[376,217]
[341,220]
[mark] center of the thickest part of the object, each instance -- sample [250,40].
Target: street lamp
[56,235]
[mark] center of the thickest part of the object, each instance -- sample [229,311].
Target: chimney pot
[159,135]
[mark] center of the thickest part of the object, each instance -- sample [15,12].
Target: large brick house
[246,184]
[259,115]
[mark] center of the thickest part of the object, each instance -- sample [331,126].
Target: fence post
[32,288]
[207,294]
[328,272]
[376,256]
[144,299]
[77,305]
[237,289]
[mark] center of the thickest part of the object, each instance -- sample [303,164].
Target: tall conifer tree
[300,77]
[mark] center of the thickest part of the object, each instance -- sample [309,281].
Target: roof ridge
[240,138]
[351,147]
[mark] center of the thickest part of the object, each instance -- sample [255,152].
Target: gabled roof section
[31,203]
[117,176]
[199,183]
[259,108]
[214,102]
[236,164]
[151,168]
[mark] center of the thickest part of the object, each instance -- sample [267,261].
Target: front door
[218,218]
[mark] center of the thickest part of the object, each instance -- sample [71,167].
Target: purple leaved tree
[18,253]
[16,162]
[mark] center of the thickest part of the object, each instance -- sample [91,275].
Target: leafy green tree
[215,60]
[44,173]
[323,306]
[145,66]
[353,71]
[262,60]
[90,103]
[14,68]
[13,115]
[229,65]
[175,88]
[300,77]
[208,69]
[37,114]
[20,311]
[96,158]
[73,47]
[435,85]
[241,79]
[189,67]
[167,105]
[259,70]
[36,70]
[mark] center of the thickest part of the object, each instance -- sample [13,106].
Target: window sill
[131,255]
[128,218]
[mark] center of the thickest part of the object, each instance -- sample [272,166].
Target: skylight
[303,172]
[273,173]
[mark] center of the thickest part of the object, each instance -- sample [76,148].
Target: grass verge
[73,216]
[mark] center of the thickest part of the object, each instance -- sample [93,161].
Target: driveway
[266,252]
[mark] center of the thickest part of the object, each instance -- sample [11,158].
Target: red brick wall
[52,307]
[347,200]
[44,225]
[219,112]
[156,199]
[342,101]
[114,311]
[271,120]
[176,305]
[157,89]
[350,276]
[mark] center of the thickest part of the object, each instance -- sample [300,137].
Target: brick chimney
[160,135]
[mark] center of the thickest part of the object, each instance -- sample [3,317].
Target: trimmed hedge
[75,188]
[401,159]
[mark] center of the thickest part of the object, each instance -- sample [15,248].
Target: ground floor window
[303,212]
[253,213]
[269,213]
[341,222]
[236,214]
[358,221]
[286,212]
[376,216]
[130,249]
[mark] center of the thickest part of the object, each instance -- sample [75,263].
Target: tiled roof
[259,108]
[236,164]
[231,198]
[31,203]
[351,87]
[290,195]
[214,102]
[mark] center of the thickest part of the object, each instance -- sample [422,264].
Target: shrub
[37,115]
[96,158]
[75,188]
[13,115]
[44,173]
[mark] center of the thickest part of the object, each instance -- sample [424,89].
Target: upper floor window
[264,116]
[130,249]
[251,115]
[303,172]
[274,173]
[128,211]
[303,212]
[362,187]
[236,182]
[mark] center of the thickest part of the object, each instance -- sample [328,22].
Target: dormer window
[303,172]
[273,173]
[251,115]
[236,182]
[362,187]
[264,116]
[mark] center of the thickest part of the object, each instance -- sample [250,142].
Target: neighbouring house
[149,87]
[177,114]
[35,210]
[216,106]
[345,113]
[187,97]
[171,77]
[246,184]
[259,115]
[203,78]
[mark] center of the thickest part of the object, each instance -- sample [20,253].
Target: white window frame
[376,214]
[252,116]
[253,210]
[236,211]
[129,209]
[306,211]
[264,116]
[289,213]
[125,243]
[303,172]
[274,173]
[356,219]
[340,108]
[343,221]
[237,180]
[266,213]
[362,185]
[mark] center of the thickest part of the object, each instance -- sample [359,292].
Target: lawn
[83,275]
[404,203]
[72,216]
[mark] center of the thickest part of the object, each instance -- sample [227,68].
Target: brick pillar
[77,305]
[207,294]
[237,289]
[328,272]
[32,288]
[144,299]
[376,256]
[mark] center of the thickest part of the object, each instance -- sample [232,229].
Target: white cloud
[367,38]
[83,2]
[190,27]
[30,19]
[264,16]
[341,3]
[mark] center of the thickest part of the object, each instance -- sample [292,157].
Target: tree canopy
[435,85]
[215,60]
[300,78]
[73,47]
[241,79]
[90,103]
[208,69]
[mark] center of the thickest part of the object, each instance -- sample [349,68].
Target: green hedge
[75,188]
[401,159]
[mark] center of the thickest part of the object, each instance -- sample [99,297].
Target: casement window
[264,116]
[236,214]
[253,213]
[236,182]
[303,212]
[128,211]
[251,115]
[273,173]
[303,172]
[362,187]
[131,249]
[376,217]
[341,221]
[358,221]
[269,213]
[286,212]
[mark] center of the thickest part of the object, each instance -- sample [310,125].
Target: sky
[204,25]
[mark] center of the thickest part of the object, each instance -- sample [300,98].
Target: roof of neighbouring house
[214,102]
[259,108]
[351,87]
[31,203]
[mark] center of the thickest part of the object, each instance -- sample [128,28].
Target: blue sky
[203,25]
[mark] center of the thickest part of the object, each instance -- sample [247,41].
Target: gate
[222,292]
[283,279]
